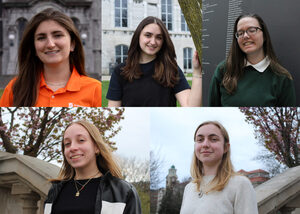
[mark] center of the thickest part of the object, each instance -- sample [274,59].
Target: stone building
[120,19]
[86,15]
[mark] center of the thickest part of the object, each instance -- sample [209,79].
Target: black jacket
[112,192]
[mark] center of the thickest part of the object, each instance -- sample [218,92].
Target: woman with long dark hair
[215,186]
[51,66]
[90,180]
[151,76]
[251,74]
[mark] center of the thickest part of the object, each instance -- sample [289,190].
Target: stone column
[28,197]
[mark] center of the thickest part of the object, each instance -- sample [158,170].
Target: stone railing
[281,193]
[24,183]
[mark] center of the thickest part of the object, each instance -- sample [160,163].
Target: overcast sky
[170,132]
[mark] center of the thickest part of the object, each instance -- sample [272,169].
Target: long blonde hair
[104,158]
[225,170]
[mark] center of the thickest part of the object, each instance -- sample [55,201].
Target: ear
[97,150]
[72,47]
[226,149]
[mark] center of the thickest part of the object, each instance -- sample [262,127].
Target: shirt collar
[73,83]
[261,66]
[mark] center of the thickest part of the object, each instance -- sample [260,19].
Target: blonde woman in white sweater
[216,188]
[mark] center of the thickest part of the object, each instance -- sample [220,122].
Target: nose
[50,43]
[205,143]
[153,40]
[73,147]
[245,35]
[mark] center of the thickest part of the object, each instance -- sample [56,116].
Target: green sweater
[253,89]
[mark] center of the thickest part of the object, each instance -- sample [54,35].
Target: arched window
[121,53]
[187,58]
[166,13]
[21,23]
[184,26]
[121,17]
[76,22]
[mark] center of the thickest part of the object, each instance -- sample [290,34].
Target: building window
[21,27]
[184,26]
[187,58]
[166,13]
[121,53]
[121,19]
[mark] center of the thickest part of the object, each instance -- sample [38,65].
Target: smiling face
[251,45]
[52,43]
[209,145]
[79,148]
[150,40]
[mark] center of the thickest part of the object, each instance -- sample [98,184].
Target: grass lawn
[1,92]
[105,85]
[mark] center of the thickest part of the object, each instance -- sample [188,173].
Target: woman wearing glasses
[251,74]
[215,187]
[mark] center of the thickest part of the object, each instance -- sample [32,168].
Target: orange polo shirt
[79,91]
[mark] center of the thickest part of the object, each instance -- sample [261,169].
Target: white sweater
[238,197]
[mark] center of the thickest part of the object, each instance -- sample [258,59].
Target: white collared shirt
[261,66]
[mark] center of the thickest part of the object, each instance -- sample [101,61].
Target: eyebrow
[210,135]
[53,32]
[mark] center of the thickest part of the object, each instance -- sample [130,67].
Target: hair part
[225,169]
[26,86]
[166,68]
[235,61]
[105,160]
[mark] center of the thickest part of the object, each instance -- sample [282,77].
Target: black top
[144,91]
[68,203]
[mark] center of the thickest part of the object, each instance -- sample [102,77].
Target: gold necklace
[82,186]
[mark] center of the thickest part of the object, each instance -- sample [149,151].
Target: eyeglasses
[250,32]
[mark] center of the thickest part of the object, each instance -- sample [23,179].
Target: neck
[57,73]
[255,58]
[81,174]
[211,169]
[144,58]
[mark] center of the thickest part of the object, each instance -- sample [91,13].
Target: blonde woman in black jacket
[90,181]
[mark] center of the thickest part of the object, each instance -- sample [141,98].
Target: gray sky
[170,132]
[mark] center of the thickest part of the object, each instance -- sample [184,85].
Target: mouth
[75,157]
[51,52]
[206,152]
[248,43]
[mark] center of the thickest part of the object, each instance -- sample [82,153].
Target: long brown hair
[235,61]
[225,169]
[25,89]
[166,69]
[104,159]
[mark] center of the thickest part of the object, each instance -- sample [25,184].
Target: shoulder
[121,184]
[220,70]
[118,68]
[85,80]
[7,96]
[240,181]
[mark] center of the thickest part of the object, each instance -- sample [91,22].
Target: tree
[38,131]
[171,201]
[278,130]
[191,10]
[156,165]
[134,170]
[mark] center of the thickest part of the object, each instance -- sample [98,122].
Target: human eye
[251,30]
[199,139]
[40,38]
[159,37]
[240,33]
[67,143]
